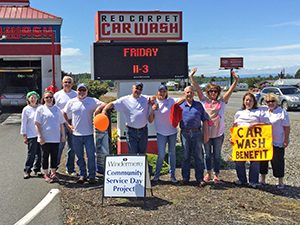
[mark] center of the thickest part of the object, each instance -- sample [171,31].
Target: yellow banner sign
[252,143]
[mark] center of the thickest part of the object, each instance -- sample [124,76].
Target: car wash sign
[125,176]
[141,25]
[252,143]
[29,33]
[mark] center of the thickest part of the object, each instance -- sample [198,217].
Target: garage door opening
[17,77]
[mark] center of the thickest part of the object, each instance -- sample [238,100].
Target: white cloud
[70,52]
[290,23]
[264,49]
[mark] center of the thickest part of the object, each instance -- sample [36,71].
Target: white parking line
[38,208]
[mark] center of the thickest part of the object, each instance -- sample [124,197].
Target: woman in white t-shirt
[214,105]
[279,119]
[249,115]
[29,133]
[49,123]
[166,133]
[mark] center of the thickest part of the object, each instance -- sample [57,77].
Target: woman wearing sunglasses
[215,107]
[49,123]
[279,119]
[249,116]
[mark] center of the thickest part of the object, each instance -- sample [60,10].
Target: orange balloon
[101,122]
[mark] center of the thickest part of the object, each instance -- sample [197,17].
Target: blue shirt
[192,115]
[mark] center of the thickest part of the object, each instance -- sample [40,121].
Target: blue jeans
[253,172]
[192,145]
[79,142]
[213,152]
[102,149]
[33,159]
[70,152]
[161,144]
[137,140]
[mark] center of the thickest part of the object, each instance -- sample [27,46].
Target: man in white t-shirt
[80,111]
[61,98]
[135,108]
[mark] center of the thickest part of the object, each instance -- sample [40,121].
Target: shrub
[114,140]
[152,164]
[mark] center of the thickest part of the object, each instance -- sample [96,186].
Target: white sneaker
[253,185]
[173,180]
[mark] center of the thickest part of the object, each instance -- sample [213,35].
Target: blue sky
[265,32]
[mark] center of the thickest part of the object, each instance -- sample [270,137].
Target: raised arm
[228,93]
[195,84]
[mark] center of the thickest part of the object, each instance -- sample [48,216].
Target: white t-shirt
[27,122]
[50,119]
[245,117]
[279,118]
[221,114]
[81,112]
[162,117]
[61,98]
[136,110]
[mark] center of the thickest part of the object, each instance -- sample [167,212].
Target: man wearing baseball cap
[80,111]
[135,108]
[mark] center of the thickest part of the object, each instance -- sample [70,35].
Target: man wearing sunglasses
[79,114]
[135,108]
[61,98]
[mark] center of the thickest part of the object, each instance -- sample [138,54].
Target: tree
[297,75]
[96,88]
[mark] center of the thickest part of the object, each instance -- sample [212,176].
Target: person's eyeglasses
[213,91]
[67,82]
[270,101]
[81,90]
[48,97]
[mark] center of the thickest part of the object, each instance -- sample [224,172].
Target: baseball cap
[162,87]
[139,84]
[82,85]
[32,93]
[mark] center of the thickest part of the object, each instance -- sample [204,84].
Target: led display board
[127,61]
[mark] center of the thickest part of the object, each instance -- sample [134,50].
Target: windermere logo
[124,164]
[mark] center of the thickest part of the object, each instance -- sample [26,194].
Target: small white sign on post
[125,176]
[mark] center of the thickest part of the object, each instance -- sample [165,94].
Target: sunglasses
[48,97]
[67,82]
[81,90]
[213,91]
[270,101]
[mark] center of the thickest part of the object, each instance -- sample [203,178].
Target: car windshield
[290,91]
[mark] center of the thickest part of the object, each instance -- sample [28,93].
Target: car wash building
[30,46]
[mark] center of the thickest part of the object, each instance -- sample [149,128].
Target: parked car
[289,96]
[13,96]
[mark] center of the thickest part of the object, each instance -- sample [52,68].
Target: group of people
[65,115]
[202,125]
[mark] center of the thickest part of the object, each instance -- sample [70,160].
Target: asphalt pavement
[19,196]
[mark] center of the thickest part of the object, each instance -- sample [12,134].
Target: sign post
[231,63]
